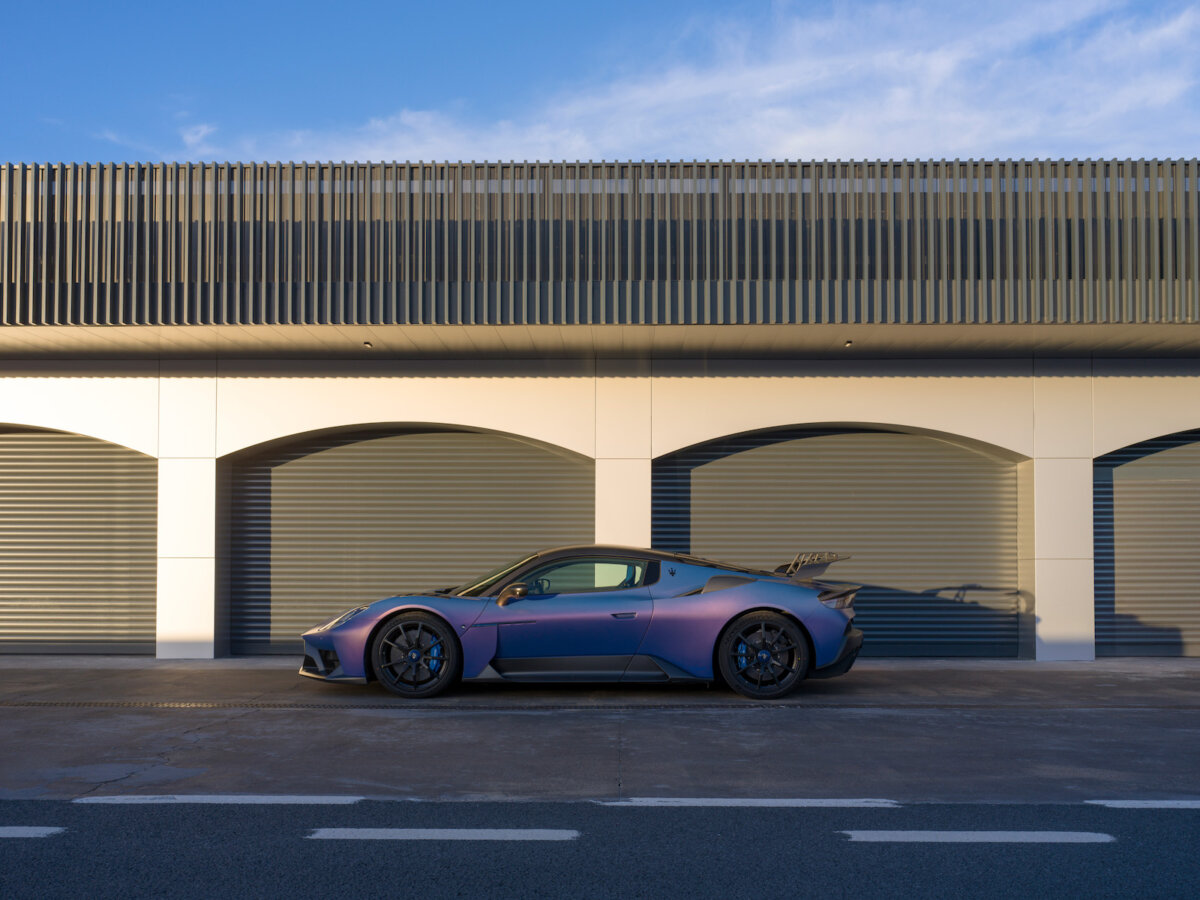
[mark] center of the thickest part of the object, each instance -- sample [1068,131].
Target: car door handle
[631,615]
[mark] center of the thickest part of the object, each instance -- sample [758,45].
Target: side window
[576,576]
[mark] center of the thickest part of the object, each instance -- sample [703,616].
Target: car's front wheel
[763,655]
[416,655]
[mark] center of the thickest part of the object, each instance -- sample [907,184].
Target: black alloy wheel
[416,655]
[763,655]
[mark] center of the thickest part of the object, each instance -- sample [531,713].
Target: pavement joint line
[1146,804]
[733,706]
[629,802]
[443,834]
[224,799]
[29,831]
[759,802]
[980,837]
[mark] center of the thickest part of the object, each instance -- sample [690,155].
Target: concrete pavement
[909,730]
[892,683]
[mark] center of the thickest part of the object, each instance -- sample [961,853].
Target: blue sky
[615,80]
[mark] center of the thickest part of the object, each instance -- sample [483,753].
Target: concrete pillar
[1056,486]
[187,498]
[623,462]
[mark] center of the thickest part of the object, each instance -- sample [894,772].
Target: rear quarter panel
[684,630]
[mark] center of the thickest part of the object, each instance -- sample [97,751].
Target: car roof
[642,553]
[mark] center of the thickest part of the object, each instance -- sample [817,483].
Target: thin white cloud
[120,140]
[1074,78]
[195,139]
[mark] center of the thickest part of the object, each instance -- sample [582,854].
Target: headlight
[340,619]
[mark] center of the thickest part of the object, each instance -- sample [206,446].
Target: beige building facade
[1052,417]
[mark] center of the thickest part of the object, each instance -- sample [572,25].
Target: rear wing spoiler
[809,565]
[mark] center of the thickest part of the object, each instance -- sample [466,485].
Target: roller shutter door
[343,521]
[78,523]
[1147,539]
[931,526]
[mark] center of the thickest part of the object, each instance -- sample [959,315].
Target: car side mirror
[512,592]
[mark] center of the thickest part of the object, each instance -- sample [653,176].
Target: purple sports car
[597,613]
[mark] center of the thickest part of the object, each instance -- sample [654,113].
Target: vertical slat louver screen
[975,242]
[343,521]
[78,532]
[1146,522]
[931,526]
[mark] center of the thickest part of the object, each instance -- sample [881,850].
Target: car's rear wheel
[416,655]
[763,655]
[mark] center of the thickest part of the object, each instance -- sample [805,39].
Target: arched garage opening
[78,544]
[931,526]
[336,520]
[1146,525]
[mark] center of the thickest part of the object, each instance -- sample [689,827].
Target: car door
[583,617]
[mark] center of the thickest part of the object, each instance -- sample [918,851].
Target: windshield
[480,586]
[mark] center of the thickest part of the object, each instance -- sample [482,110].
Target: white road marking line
[1147,804]
[443,834]
[819,802]
[981,837]
[231,799]
[29,831]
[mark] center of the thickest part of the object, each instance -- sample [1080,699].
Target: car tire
[416,655]
[763,655]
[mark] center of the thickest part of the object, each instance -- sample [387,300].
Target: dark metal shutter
[1147,541]
[932,527]
[342,521]
[78,544]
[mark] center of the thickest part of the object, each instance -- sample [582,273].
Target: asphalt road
[585,849]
